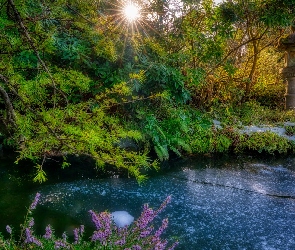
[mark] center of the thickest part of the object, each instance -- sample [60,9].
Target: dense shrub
[206,140]
[267,142]
[250,113]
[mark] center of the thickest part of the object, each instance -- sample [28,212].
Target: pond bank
[286,131]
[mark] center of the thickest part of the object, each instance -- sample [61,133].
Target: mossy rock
[290,130]
[265,142]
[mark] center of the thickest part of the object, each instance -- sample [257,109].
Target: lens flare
[131,12]
[129,20]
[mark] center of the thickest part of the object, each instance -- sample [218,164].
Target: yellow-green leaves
[65,164]
[106,48]
[40,174]
[73,83]
[78,130]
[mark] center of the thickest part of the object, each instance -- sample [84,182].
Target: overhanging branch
[32,45]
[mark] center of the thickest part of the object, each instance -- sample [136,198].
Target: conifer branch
[32,45]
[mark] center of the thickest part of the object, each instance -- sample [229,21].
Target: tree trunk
[255,44]
[253,69]
[8,106]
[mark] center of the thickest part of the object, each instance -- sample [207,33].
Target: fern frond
[175,150]
[162,152]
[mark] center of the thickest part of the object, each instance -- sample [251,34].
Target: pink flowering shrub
[139,235]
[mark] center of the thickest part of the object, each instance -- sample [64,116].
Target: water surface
[232,203]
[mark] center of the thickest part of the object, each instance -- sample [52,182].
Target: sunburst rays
[131,11]
[130,18]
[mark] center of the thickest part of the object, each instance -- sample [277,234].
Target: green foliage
[170,133]
[70,48]
[290,130]
[25,59]
[270,96]
[209,140]
[278,12]
[222,143]
[73,83]
[229,139]
[160,77]
[61,77]
[65,164]
[227,12]
[40,175]
[267,142]
[77,130]
[80,79]
[251,113]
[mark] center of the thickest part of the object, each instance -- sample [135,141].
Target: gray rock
[128,144]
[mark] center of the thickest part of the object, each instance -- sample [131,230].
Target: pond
[217,202]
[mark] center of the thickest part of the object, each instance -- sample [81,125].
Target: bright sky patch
[131,12]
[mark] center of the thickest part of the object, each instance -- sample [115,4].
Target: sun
[131,12]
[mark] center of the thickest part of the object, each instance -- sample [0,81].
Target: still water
[217,203]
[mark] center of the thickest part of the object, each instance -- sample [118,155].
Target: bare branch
[253,39]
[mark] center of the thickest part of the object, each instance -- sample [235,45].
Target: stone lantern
[288,72]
